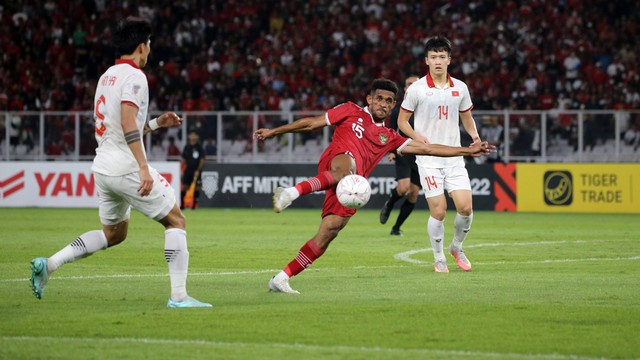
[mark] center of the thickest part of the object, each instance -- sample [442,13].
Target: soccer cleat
[281,199]
[281,285]
[39,276]
[461,258]
[440,266]
[187,302]
[385,212]
[396,232]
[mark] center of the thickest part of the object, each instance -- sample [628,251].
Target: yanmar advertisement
[60,184]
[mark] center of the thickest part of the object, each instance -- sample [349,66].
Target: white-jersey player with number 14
[438,103]
[122,175]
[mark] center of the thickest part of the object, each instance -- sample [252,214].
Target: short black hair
[130,33]
[438,43]
[383,84]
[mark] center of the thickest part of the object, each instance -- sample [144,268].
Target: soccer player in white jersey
[438,103]
[122,175]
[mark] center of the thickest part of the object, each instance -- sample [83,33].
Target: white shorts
[117,194]
[436,180]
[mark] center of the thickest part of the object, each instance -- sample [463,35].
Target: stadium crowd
[313,54]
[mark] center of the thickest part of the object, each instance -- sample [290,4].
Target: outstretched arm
[300,125]
[475,149]
[167,119]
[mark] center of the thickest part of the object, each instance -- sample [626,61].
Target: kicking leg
[85,245]
[309,252]
[341,165]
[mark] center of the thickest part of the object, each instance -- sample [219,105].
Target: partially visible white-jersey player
[438,103]
[122,175]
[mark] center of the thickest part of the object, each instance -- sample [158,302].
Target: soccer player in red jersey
[359,142]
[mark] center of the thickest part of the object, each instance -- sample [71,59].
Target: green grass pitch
[543,286]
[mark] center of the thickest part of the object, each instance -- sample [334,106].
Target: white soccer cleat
[277,284]
[281,199]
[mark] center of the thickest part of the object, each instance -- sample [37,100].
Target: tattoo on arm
[132,137]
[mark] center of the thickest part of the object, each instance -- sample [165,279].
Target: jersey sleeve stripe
[326,119]
[407,110]
[467,109]
[130,103]
[404,145]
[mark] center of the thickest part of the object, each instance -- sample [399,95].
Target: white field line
[403,256]
[294,346]
[406,255]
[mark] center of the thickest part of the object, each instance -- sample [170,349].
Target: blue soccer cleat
[39,276]
[188,302]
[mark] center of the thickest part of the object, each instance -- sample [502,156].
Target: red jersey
[357,134]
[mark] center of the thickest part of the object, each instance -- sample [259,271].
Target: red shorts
[331,204]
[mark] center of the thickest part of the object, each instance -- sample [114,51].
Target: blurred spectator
[172,149]
[493,132]
[572,66]
[631,136]
[249,55]
[523,137]
[210,148]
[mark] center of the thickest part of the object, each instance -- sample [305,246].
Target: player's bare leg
[341,165]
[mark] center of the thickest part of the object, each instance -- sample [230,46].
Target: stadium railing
[533,136]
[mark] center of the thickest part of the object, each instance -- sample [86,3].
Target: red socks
[322,181]
[308,253]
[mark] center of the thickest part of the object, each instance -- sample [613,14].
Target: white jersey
[122,83]
[436,116]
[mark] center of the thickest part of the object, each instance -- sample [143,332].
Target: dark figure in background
[193,159]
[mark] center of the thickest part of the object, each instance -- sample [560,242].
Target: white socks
[175,252]
[461,226]
[435,228]
[85,245]
[177,256]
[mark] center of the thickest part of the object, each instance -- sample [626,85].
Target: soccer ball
[353,191]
